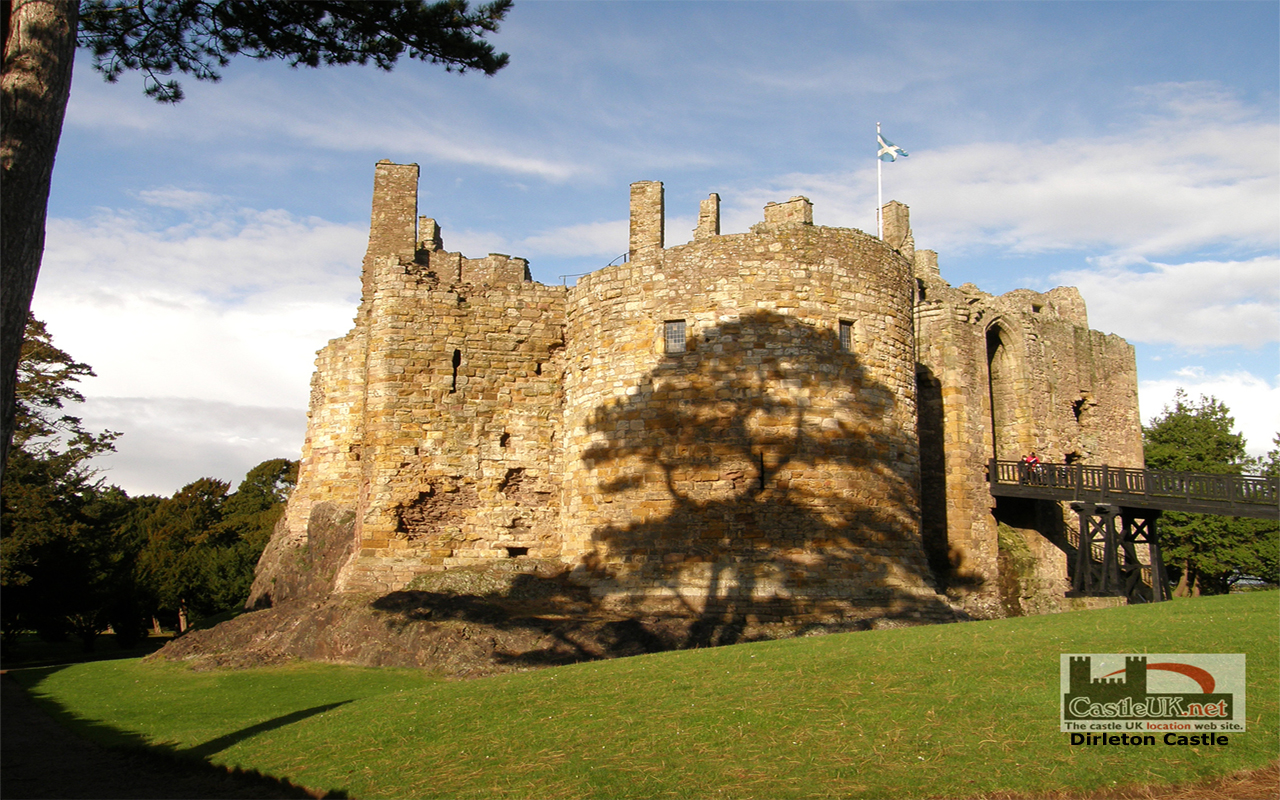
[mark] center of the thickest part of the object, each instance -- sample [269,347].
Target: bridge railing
[1238,495]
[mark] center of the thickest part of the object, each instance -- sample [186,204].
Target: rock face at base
[468,622]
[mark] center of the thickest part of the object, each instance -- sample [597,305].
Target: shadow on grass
[223,742]
[43,739]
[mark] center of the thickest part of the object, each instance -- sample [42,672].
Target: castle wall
[1015,374]
[461,436]
[762,464]
[791,423]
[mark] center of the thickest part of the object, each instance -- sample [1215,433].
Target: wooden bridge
[1118,509]
[1229,495]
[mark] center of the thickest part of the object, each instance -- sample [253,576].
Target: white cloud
[168,345]
[174,197]
[1254,402]
[1197,305]
[1200,169]
[169,442]
[203,333]
[401,118]
[1197,169]
[214,251]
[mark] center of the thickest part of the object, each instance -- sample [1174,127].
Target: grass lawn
[938,711]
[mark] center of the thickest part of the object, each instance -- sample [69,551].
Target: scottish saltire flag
[888,150]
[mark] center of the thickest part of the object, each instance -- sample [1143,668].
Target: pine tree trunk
[39,47]
[1182,590]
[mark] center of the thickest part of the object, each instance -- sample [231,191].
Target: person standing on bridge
[1030,467]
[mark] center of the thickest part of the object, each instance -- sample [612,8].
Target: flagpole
[879,188]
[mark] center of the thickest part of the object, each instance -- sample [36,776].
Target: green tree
[249,517]
[56,566]
[201,546]
[178,560]
[192,37]
[1207,553]
[1271,464]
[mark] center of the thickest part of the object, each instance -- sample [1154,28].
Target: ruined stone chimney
[429,236]
[796,211]
[393,229]
[897,228]
[926,264]
[708,218]
[647,219]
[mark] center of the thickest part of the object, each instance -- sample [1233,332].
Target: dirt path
[41,759]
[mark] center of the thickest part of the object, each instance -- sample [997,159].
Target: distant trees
[200,547]
[53,564]
[1207,553]
[78,556]
[192,37]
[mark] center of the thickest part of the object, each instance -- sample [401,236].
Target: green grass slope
[938,711]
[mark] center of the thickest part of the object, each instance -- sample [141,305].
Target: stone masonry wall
[461,433]
[1012,375]
[762,465]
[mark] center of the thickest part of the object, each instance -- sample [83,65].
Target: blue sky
[199,255]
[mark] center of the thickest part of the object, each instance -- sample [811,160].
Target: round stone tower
[740,421]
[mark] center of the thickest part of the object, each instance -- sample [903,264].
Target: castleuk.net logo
[1165,693]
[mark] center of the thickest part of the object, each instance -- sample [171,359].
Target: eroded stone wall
[1008,376]
[461,445]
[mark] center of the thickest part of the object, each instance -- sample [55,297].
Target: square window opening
[846,336]
[673,336]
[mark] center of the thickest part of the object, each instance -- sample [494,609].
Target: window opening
[673,336]
[846,336]
[513,552]
[457,362]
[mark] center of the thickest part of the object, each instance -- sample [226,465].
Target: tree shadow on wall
[762,471]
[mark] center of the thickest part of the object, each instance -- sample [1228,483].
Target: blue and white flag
[888,150]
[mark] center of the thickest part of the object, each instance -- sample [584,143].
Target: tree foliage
[1208,553]
[197,37]
[57,571]
[201,546]
[77,557]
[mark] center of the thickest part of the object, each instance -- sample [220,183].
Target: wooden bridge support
[1119,571]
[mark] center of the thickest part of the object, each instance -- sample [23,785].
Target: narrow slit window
[457,362]
[673,336]
[846,336]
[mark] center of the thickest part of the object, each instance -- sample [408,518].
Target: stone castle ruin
[792,422]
